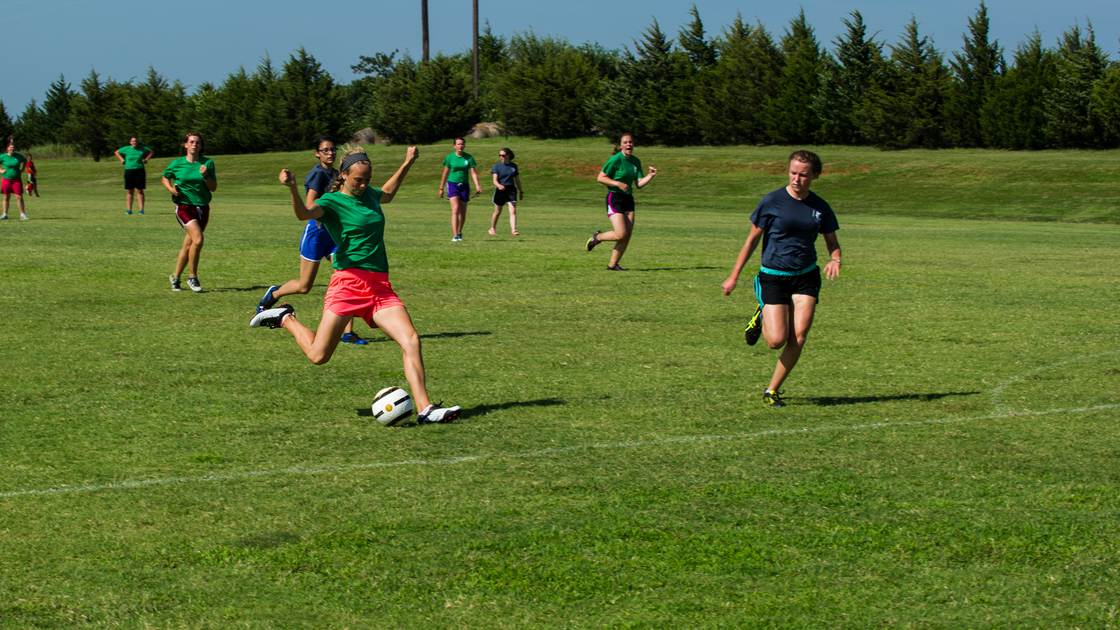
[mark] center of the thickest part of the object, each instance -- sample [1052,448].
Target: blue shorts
[462,191]
[316,243]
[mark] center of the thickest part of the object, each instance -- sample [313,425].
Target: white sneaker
[456,238]
[175,286]
[22,217]
[433,414]
[272,317]
[192,282]
[3,216]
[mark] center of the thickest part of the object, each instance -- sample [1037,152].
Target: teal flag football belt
[778,272]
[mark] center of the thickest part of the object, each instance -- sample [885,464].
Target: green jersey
[13,165]
[460,167]
[133,157]
[626,170]
[357,225]
[192,183]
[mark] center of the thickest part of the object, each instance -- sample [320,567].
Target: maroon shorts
[186,213]
[8,186]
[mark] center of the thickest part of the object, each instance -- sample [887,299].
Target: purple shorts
[462,191]
[619,203]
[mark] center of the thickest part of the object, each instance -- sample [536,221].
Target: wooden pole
[475,49]
[424,23]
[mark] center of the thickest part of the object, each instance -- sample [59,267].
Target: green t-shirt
[626,170]
[357,225]
[133,157]
[13,165]
[460,167]
[191,183]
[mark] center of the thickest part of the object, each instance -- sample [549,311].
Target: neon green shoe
[773,398]
[754,328]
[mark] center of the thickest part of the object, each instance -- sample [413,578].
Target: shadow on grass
[828,401]
[266,541]
[482,410]
[442,335]
[261,287]
[673,268]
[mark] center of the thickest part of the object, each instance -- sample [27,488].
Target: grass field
[949,458]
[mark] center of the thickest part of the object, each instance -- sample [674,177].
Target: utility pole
[424,22]
[475,49]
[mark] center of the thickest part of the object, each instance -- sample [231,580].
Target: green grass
[948,459]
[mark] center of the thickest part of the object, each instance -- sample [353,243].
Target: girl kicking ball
[787,221]
[360,287]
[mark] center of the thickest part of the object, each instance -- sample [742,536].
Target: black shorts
[135,178]
[619,203]
[773,289]
[502,197]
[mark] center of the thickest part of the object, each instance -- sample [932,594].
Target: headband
[350,160]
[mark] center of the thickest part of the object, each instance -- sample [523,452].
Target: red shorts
[359,293]
[8,186]
[186,213]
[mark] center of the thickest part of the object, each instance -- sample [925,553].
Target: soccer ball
[392,405]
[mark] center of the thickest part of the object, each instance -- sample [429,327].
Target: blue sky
[206,40]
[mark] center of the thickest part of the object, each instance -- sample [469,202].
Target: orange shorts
[359,293]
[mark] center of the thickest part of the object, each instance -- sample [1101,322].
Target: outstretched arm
[389,190]
[303,212]
[744,255]
[645,180]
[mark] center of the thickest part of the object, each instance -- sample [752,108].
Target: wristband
[835,261]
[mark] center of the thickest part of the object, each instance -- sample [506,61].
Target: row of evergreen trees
[743,86]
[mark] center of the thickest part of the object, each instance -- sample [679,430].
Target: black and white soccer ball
[392,406]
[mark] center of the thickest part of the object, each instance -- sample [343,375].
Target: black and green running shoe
[754,328]
[773,398]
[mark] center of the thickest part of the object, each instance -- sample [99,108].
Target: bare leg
[623,224]
[396,323]
[128,200]
[494,219]
[456,209]
[7,201]
[512,217]
[192,247]
[308,269]
[19,203]
[793,325]
[318,346]
[140,196]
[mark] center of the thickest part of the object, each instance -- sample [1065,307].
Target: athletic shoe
[354,339]
[456,238]
[23,217]
[268,301]
[754,328]
[514,233]
[3,216]
[773,398]
[141,212]
[128,212]
[192,282]
[617,268]
[273,317]
[459,236]
[593,241]
[492,232]
[434,414]
[175,286]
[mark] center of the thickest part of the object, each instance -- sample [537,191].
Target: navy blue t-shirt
[505,173]
[319,179]
[790,228]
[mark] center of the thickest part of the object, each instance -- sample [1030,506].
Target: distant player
[191,180]
[507,187]
[621,175]
[316,243]
[360,285]
[788,286]
[32,182]
[11,179]
[134,156]
[456,167]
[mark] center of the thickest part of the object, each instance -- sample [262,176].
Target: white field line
[542,453]
[996,395]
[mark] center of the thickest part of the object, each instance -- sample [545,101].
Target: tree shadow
[482,410]
[829,401]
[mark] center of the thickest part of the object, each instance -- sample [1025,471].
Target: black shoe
[773,398]
[593,241]
[268,301]
[754,328]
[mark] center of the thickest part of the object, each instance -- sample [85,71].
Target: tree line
[741,86]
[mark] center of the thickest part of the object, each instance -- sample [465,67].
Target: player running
[788,285]
[621,174]
[456,166]
[316,243]
[11,179]
[32,177]
[360,285]
[507,184]
[134,156]
[191,180]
